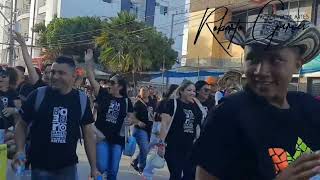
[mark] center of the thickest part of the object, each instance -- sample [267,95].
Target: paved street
[125,173]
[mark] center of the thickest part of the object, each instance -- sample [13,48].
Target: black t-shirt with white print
[183,128]
[145,113]
[246,138]
[55,128]
[111,113]
[7,100]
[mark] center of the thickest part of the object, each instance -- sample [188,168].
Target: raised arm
[90,71]
[33,75]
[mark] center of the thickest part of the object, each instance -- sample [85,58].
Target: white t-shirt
[218,96]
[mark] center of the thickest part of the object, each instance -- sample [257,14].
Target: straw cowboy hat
[286,33]
[231,73]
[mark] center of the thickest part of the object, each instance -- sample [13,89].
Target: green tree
[126,44]
[71,36]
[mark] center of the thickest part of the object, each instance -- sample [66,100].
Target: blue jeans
[148,171]
[108,158]
[67,173]
[143,143]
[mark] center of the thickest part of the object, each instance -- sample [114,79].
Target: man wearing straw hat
[230,83]
[265,132]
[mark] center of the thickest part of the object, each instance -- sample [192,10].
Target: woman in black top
[10,102]
[203,95]
[114,111]
[144,112]
[155,139]
[182,132]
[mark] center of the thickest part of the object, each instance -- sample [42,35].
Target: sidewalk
[125,172]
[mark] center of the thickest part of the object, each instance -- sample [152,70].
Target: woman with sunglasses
[9,97]
[203,95]
[144,112]
[114,112]
[179,137]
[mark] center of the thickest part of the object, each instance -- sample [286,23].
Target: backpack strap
[41,92]
[125,129]
[203,111]
[175,105]
[83,104]
[127,105]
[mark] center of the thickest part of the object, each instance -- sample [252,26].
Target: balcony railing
[42,3]
[231,63]
[25,9]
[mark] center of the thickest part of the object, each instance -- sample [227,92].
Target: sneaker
[135,167]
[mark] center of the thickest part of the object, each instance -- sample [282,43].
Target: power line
[145,17]
[158,27]
[147,28]
[91,39]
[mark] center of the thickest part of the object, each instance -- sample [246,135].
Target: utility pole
[314,14]
[163,70]
[172,23]
[171,29]
[33,22]
[11,47]
[198,68]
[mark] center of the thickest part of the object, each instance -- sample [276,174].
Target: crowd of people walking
[206,130]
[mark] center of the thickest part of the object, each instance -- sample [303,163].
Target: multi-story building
[207,49]
[168,17]
[30,12]
[171,18]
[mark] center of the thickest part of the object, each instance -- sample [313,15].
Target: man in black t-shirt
[265,132]
[56,127]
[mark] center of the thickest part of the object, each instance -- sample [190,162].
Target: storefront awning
[311,67]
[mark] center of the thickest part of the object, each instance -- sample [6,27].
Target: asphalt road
[125,172]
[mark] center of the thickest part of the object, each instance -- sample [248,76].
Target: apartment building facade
[30,12]
[205,49]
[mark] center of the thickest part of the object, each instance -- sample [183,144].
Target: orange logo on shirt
[281,158]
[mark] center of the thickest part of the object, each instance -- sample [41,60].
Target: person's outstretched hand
[88,56]
[307,166]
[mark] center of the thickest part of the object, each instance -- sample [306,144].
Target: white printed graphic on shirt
[150,113]
[59,125]
[113,112]
[188,124]
[5,101]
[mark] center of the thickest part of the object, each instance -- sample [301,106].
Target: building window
[242,17]
[164,10]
